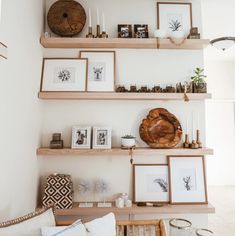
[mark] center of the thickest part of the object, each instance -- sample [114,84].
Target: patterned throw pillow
[29,225]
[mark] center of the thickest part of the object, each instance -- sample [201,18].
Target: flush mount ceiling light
[223,43]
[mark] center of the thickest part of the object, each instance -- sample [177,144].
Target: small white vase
[128,142]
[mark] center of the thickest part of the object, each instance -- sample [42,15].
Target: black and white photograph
[124,31]
[187,179]
[64,75]
[101,70]
[81,137]
[141,31]
[151,183]
[102,138]
[174,16]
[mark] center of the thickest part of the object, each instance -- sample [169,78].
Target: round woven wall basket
[66,18]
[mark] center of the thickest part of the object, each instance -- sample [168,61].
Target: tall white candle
[0,10]
[103,23]
[98,16]
[187,125]
[89,17]
[192,126]
[198,122]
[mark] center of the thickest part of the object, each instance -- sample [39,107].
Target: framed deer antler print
[187,180]
[101,70]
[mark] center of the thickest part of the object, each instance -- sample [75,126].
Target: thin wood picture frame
[197,180]
[155,183]
[101,72]
[64,75]
[174,21]
[3,50]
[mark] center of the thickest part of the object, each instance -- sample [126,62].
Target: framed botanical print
[174,16]
[81,137]
[102,138]
[101,70]
[64,74]
[151,183]
[187,180]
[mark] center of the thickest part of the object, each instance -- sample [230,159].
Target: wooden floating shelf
[120,96]
[120,152]
[133,43]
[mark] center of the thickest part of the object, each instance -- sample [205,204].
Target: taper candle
[192,126]
[98,16]
[89,17]
[187,125]
[103,23]
[198,122]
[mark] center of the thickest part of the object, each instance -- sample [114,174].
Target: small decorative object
[3,51]
[199,84]
[58,191]
[151,183]
[194,145]
[47,35]
[56,142]
[161,129]
[128,141]
[133,89]
[102,187]
[169,89]
[66,18]
[121,89]
[180,227]
[175,17]
[104,34]
[124,31]
[101,70]
[128,203]
[187,180]
[186,143]
[199,143]
[125,197]
[85,187]
[119,202]
[102,138]
[90,34]
[144,89]
[64,74]
[156,89]
[141,31]
[81,137]
[204,232]
[194,33]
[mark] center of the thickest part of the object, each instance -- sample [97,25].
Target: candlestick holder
[194,145]
[90,35]
[186,142]
[104,35]
[198,139]
[98,35]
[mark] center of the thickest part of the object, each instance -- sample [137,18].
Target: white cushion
[29,225]
[105,226]
[76,229]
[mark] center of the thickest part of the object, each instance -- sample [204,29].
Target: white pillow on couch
[29,225]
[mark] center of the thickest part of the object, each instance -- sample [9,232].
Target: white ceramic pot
[178,34]
[128,142]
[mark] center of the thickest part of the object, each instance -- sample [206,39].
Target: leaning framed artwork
[64,74]
[101,70]
[81,137]
[187,180]
[174,16]
[102,138]
[151,183]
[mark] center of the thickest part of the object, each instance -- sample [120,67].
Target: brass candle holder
[90,35]
[194,145]
[98,35]
[198,139]
[186,143]
[104,35]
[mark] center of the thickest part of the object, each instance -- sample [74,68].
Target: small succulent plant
[199,76]
[175,25]
[128,136]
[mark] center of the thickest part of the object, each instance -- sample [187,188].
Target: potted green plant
[198,80]
[128,141]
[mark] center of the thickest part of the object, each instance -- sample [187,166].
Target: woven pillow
[29,225]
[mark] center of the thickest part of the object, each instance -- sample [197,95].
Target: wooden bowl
[161,129]
[66,18]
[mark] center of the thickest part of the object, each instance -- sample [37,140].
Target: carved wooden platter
[161,129]
[66,18]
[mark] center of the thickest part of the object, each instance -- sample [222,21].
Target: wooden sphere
[160,129]
[66,18]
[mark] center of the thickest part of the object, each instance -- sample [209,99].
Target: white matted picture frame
[101,70]
[102,137]
[81,137]
[174,16]
[151,183]
[64,74]
[187,180]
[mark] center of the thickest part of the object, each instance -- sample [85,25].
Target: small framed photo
[187,180]
[102,138]
[124,31]
[174,16]
[81,137]
[151,183]
[141,31]
[64,74]
[101,70]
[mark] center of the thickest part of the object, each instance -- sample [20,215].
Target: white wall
[20,110]
[133,67]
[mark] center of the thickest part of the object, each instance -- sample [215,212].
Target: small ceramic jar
[120,202]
